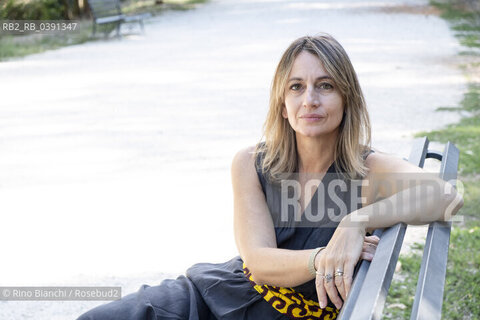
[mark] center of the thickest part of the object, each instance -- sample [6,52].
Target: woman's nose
[311,99]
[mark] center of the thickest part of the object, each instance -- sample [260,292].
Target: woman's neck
[315,155]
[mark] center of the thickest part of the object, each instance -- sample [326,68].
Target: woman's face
[313,104]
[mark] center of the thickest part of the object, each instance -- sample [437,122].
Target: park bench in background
[110,12]
[370,287]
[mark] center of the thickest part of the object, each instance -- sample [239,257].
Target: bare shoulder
[243,165]
[245,155]
[380,162]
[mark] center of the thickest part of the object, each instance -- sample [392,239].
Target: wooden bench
[372,281]
[110,12]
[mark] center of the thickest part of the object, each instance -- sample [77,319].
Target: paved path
[115,155]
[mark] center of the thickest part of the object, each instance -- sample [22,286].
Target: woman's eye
[326,86]
[295,86]
[322,86]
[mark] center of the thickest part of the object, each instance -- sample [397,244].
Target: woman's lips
[311,117]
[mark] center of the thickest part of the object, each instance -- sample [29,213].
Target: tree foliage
[43,9]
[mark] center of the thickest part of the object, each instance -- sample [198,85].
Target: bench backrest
[105,8]
[370,287]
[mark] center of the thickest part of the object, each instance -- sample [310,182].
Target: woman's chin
[313,134]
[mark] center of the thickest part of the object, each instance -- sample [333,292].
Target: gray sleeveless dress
[223,291]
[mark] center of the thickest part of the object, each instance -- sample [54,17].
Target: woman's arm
[397,191]
[255,233]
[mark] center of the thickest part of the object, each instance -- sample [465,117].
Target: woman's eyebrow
[319,78]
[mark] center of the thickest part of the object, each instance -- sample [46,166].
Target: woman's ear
[284,111]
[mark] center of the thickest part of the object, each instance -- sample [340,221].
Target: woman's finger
[321,293]
[329,284]
[372,239]
[369,247]
[366,256]
[338,276]
[368,251]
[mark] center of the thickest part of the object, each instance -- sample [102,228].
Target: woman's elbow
[452,202]
[254,273]
[454,206]
[252,265]
[257,279]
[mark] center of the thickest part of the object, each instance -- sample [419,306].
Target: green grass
[23,45]
[402,291]
[470,40]
[462,284]
[466,133]
[466,27]
[462,290]
[465,23]
[462,287]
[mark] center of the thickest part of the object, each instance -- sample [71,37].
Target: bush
[32,10]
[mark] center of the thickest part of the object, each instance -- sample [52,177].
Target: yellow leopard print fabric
[291,303]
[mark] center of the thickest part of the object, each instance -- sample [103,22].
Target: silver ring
[328,277]
[339,273]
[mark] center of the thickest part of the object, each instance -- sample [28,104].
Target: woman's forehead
[309,64]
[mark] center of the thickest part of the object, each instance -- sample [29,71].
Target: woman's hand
[369,248]
[336,263]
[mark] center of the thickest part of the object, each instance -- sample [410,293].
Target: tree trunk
[72,9]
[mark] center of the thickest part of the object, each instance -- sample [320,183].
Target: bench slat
[370,288]
[431,280]
[419,151]
[429,295]
[109,19]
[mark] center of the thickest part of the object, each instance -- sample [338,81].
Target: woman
[295,262]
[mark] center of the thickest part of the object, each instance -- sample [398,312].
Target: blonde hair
[280,150]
